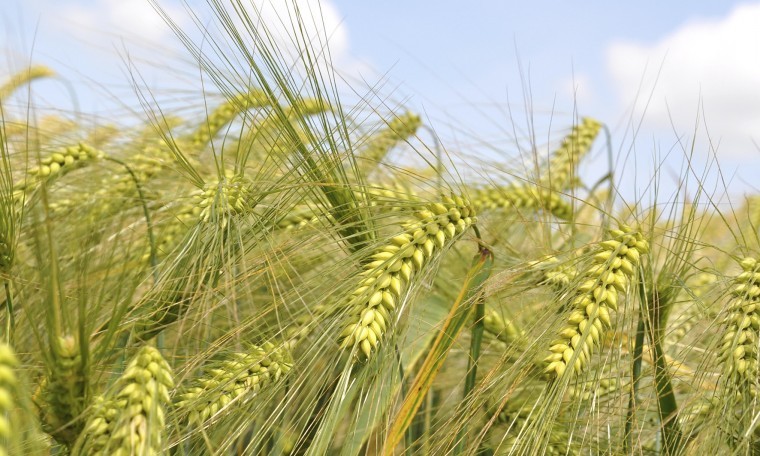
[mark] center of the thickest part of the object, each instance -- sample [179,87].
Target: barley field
[281,272]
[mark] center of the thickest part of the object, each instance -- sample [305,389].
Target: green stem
[458,317]
[638,350]
[146,213]
[10,322]
[409,435]
[667,406]
[666,399]
[476,341]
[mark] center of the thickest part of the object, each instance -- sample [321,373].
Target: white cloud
[134,20]
[715,62]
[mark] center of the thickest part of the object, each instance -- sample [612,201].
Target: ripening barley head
[614,266]
[389,275]
[130,420]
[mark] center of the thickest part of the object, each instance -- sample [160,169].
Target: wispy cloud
[706,66]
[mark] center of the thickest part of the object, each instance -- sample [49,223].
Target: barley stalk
[389,276]
[614,266]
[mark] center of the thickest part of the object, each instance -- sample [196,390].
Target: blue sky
[471,70]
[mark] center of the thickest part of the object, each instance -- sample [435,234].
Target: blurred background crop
[490,77]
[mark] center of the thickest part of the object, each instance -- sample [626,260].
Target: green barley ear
[8,363]
[57,164]
[62,395]
[739,351]
[558,275]
[736,396]
[226,382]
[522,197]
[514,440]
[614,266]
[376,147]
[131,420]
[225,113]
[388,277]
[23,77]
[221,200]
[595,389]
[501,328]
[564,161]
[300,217]
[389,195]
[64,160]
[682,324]
[170,232]
[266,138]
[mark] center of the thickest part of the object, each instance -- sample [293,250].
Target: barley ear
[523,197]
[377,146]
[614,266]
[131,421]
[564,161]
[221,200]
[229,381]
[23,77]
[225,112]
[739,349]
[8,363]
[502,328]
[388,275]
[57,164]
[62,393]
